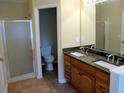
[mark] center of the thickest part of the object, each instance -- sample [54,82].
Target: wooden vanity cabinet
[75,77]
[82,78]
[102,82]
[85,78]
[67,67]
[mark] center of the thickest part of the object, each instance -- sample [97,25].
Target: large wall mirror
[102,24]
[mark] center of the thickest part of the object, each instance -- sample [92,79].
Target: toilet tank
[46,51]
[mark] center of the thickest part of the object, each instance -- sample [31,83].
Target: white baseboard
[22,77]
[39,76]
[61,81]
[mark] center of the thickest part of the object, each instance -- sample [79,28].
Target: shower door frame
[25,76]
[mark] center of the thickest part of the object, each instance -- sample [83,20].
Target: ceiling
[17,1]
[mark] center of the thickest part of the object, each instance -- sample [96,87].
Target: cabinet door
[67,69]
[86,83]
[75,77]
[99,91]
[101,86]
[102,82]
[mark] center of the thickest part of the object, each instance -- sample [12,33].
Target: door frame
[3,68]
[38,66]
[5,56]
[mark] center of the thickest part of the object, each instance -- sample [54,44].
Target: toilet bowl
[48,58]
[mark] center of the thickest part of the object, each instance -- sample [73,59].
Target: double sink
[101,63]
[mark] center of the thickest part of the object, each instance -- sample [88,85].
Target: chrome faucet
[82,49]
[118,61]
[87,51]
[92,46]
[113,58]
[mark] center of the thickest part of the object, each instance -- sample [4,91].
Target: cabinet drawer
[67,63]
[102,77]
[83,67]
[67,67]
[68,75]
[67,58]
[99,91]
[102,87]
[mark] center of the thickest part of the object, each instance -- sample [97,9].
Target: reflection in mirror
[101,24]
[108,25]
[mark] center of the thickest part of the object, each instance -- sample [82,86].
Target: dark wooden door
[86,84]
[75,77]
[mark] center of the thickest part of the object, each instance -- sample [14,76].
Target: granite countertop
[89,59]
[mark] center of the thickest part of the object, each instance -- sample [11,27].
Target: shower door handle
[122,42]
[1,59]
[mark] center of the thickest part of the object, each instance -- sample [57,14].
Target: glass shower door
[19,47]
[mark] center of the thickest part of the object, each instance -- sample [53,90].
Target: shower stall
[17,41]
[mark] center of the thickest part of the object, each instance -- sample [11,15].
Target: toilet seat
[49,59]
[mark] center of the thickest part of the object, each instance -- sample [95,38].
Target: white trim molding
[62,81]
[22,77]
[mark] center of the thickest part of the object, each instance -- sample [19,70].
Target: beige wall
[88,21]
[70,23]
[13,10]
[30,8]
[37,3]
[123,5]
[70,20]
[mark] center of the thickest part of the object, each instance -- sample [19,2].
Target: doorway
[38,60]
[48,40]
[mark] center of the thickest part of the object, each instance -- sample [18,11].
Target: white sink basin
[105,64]
[77,54]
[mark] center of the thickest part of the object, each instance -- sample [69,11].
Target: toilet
[48,58]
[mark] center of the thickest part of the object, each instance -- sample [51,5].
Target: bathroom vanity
[101,25]
[84,75]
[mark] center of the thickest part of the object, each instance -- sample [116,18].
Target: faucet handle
[92,46]
[87,51]
[108,57]
[118,61]
[82,49]
[113,57]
